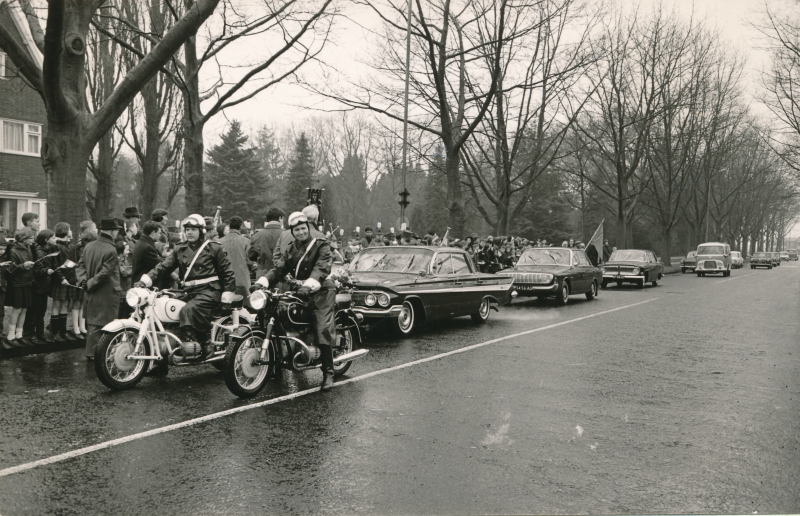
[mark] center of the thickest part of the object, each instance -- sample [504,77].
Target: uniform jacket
[144,258]
[211,262]
[315,264]
[263,246]
[287,238]
[99,268]
[17,275]
[235,246]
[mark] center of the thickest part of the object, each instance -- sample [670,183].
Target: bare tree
[73,130]
[534,105]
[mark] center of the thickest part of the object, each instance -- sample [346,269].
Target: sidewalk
[42,348]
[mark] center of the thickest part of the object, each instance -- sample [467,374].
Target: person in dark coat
[19,290]
[593,255]
[309,260]
[236,246]
[98,274]
[45,275]
[145,255]
[606,251]
[63,293]
[263,242]
[208,281]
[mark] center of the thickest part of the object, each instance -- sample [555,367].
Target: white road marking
[210,417]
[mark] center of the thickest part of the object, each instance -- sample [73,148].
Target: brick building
[22,117]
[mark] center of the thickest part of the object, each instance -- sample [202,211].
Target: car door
[584,268]
[466,298]
[440,289]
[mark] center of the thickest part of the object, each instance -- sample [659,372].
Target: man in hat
[207,278]
[309,259]
[606,250]
[236,246]
[98,273]
[132,227]
[367,240]
[263,242]
[210,229]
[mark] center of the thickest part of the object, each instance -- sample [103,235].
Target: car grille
[621,270]
[708,264]
[530,277]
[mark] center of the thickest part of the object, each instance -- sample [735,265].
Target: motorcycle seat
[238,302]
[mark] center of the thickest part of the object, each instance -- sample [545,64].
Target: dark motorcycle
[278,339]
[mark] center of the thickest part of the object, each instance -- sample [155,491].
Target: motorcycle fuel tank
[167,309]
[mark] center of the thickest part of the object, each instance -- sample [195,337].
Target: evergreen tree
[272,164]
[300,176]
[234,178]
[431,213]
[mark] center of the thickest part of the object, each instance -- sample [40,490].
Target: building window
[2,65]
[20,137]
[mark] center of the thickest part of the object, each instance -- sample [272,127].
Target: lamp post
[404,200]
[404,195]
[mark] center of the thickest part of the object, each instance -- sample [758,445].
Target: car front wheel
[563,294]
[407,319]
[482,315]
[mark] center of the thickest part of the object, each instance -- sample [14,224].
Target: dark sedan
[412,285]
[554,272]
[689,263]
[761,259]
[632,266]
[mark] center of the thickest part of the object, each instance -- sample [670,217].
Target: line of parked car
[699,261]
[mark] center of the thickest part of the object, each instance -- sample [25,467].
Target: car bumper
[377,313]
[534,290]
[623,277]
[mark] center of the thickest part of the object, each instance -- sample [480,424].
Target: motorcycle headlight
[370,300]
[258,300]
[136,297]
[383,300]
[636,271]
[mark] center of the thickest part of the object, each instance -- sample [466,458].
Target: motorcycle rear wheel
[347,341]
[110,364]
[244,376]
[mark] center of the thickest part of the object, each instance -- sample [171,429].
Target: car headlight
[383,300]
[636,271]
[258,300]
[370,300]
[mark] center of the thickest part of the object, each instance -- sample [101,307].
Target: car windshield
[760,255]
[711,249]
[691,254]
[735,253]
[392,259]
[627,255]
[544,256]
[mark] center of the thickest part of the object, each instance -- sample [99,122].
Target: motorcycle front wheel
[346,344]
[245,376]
[111,364]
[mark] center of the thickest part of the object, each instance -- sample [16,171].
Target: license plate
[524,287]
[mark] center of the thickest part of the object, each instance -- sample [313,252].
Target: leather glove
[304,292]
[227,298]
[263,282]
[139,284]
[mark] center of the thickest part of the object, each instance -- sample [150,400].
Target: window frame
[3,60]
[26,132]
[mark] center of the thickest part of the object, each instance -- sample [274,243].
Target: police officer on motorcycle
[309,260]
[207,279]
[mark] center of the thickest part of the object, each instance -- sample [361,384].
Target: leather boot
[55,328]
[327,367]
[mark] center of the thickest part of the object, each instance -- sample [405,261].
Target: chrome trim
[368,312]
[621,277]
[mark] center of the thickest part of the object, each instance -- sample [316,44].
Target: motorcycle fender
[120,324]
[348,318]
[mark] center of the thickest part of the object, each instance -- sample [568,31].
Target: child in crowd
[20,285]
[64,291]
[88,234]
[45,272]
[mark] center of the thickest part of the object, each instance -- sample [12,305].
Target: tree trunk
[193,122]
[666,246]
[151,166]
[104,174]
[64,157]
[456,206]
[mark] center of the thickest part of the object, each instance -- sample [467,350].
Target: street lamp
[404,200]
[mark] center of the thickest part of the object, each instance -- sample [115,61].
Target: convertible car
[632,266]
[554,272]
[412,285]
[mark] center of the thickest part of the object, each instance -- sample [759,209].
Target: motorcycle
[148,338]
[278,340]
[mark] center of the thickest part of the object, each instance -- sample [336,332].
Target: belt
[202,281]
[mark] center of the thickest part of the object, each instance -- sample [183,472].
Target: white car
[737,262]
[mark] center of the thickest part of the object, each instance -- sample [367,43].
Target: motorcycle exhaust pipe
[347,357]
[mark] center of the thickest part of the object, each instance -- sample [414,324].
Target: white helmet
[194,221]
[297,218]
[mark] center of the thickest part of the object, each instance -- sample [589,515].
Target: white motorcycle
[149,337]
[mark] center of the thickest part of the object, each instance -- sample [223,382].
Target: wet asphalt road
[682,398]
